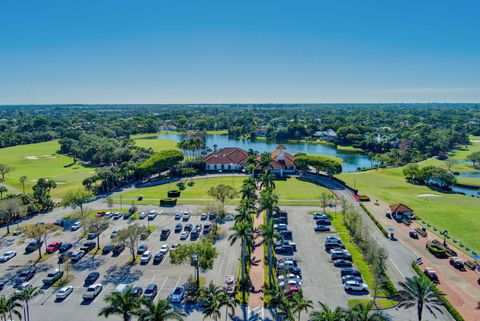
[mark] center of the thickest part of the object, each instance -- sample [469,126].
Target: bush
[168,202]
[173,193]
[437,250]
[448,306]
[140,197]
[377,223]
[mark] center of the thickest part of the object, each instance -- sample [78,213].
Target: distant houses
[328,135]
[234,159]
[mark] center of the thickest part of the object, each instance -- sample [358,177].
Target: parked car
[164,234]
[142,248]
[64,247]
[289,276]
[187,227]
[286,234]
[52,247]
[280,220]
[122,288]
[127,215]
[352,278]
[287,243]
[184,235]
[25,275]
[289,290]
[92,277]
[203,216]
[75,226]
[284,249]
[340,255]
[321,228]
[32,246]
[413,234]
[118,248]
[22,287]
[117,215]
[146,256]
[207,227]
[64,292]
[178,215]
[331,238]
[62,257]
[7,256]
[108,214]
[177,295]
[164,248]
[276,214]
[158,257]
[178,228]
[323,222]
[151,291]
[342,263]
[142,215]
[114,234]
[152,215]
[186,216]
[92,292]
[350,271]
[286,262]
[318,216]
[457,263]
[91,235]
[136,292]
[289,269]
[280,227]
[432,275]
[290,282]
[107,249]
[77,256]
[88,246]
[355,286]
[52,277]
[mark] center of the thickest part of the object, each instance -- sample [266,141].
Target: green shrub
[168,202]
[173,193]
[437,250]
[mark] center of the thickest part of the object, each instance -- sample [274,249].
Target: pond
[352,160]
[466,190]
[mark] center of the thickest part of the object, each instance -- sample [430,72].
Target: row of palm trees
[18,304]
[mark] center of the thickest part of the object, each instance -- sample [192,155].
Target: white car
[64,292]
[75,226]
[164,249]
[152,215]
[108,214]
[7,256]
[355,286]
[142,215]
[289,276]
[92,292]
[290,282]
[280,226]
[146,256]
[184,235]
[23,286]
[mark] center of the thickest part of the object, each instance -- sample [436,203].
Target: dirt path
[461,288]
[257,270]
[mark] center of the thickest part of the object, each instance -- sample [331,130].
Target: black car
[289,269]
[118,248]
[151,291]
[91,278]
[88,246]
[25,275]
[178,228]
[64,256]
[212,216]
[342,263]
[32,246]
[127,215]
[350,271]
[284,249]
[142,248]
[157,258]
[77,256]
[323,222]
[136,292]
[321,228]
[285,234]
[188,227]
[164,234]
[64,247]
[107,249]
[279,214]
[280,220]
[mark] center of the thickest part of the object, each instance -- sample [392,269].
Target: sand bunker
[36,157]
[428,195]
[31,157]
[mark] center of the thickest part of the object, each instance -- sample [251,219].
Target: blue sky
[116,51]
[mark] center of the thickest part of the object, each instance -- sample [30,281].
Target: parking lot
[321,280]
[114,270]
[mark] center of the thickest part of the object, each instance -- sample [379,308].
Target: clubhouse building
[234,159]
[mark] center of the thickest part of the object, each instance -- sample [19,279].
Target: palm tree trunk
[419,311]
[28,311]
[270,270]
[243,270]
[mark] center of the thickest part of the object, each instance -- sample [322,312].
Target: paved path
[257,270]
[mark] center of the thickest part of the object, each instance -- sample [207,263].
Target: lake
[351,159]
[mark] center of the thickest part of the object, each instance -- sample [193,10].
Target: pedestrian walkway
[257,270]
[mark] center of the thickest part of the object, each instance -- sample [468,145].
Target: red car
[52,247]
[291,289]
[100,214]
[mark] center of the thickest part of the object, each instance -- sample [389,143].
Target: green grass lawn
[290,192]
[42,160]
[156,144]
[456,213]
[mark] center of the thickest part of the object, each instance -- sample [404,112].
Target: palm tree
[282,304]
[249,186]
[268,202]
[10,306]
[245,210]
[300,304]
[327,314]
[26,295]
[266,179]
[229,302]
[121,303]
[420,292]
[3,189]
[23,180]
[211,297]
[4,307]
[270,236]
[265,160]
[242,232]
[161,311]
[365,312]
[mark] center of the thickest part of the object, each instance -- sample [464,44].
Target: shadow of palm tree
[122,274]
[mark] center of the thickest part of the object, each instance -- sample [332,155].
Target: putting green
[453,212]
[42,160]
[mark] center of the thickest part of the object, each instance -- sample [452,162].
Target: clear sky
[202,51]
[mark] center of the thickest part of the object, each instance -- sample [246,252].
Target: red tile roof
[400,208]
[280,164]
[227,155]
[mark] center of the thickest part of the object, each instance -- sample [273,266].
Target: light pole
[195,264]
[445,234]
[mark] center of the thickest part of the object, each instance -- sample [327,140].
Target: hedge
[168,202]
[377,223]
[437,250]
[448,306]
[173,193]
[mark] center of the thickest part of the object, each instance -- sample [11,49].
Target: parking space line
[163,284]
[178,281]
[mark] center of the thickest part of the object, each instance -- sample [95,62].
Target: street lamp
[445,234]
[195,264]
